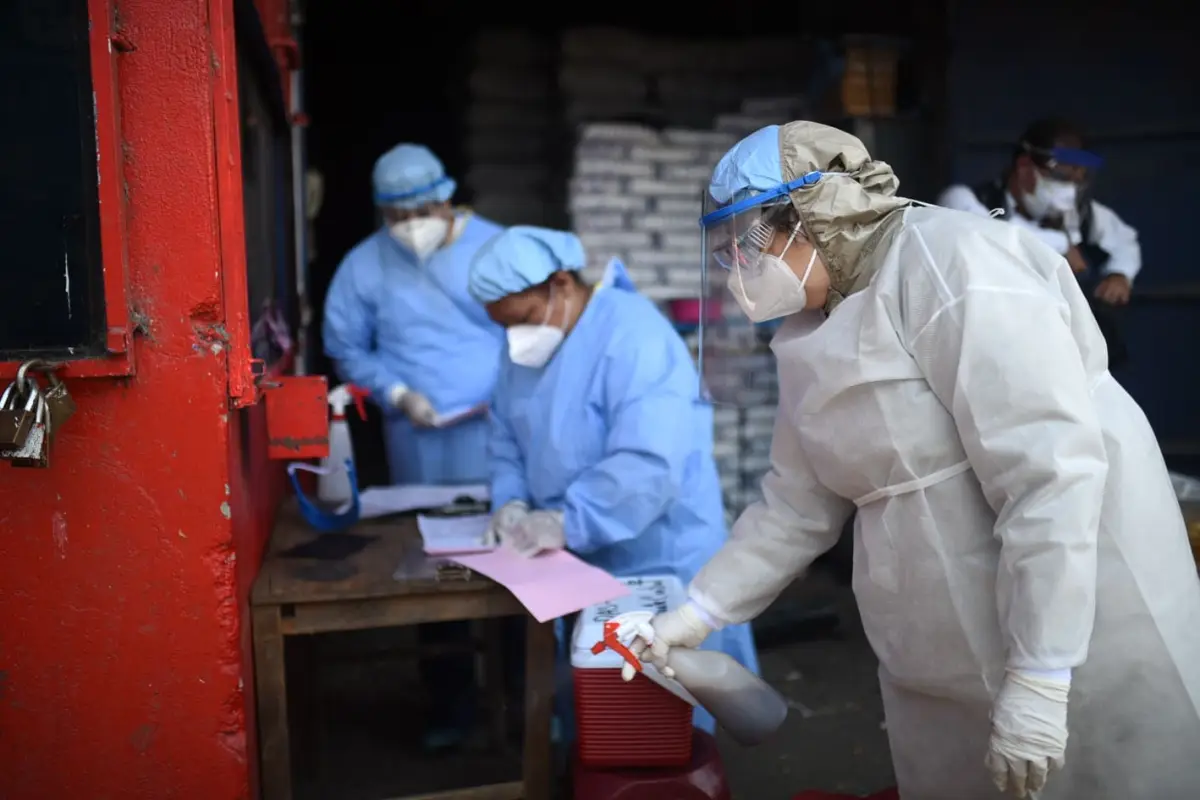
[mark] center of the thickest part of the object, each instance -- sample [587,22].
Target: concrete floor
[360,742]
[834,739]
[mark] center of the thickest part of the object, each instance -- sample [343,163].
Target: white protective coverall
[1013,505]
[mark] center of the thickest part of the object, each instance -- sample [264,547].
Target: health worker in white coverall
[1021,562]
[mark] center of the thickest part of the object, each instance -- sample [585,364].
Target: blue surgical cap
[752,164]
[410,176]
[521,257]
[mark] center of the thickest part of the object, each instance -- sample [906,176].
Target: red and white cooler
[646,722]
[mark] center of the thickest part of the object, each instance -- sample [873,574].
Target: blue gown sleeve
[506,465]
[650,389]
[348,328]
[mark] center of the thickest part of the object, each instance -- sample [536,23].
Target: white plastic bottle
[335,486]
[742,703]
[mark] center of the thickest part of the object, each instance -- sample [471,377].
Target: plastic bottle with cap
[335,487]
[742,703]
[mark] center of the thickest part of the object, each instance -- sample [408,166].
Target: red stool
[702,779]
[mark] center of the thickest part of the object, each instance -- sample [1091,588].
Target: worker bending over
[1021,562]
[600,443]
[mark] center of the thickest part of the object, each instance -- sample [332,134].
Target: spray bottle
[335,487]
[741,702]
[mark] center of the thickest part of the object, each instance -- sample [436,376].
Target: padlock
[60,406]
[16,417]
[36,450]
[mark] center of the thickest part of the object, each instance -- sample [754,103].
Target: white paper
[379,501]
[459,534]
[456,415]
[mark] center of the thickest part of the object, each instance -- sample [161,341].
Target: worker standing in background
[1021,563]
[600,443]
[1047,189]
[400,322]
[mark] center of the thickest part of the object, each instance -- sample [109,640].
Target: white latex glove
[503,521]
[535,532]
[416,406]
[1029,731]
[681,627]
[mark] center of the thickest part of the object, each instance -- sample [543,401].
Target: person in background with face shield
[399,322]
[1046,189]
[1021,563]
[600,443]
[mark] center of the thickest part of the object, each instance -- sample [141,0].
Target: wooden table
[283,604]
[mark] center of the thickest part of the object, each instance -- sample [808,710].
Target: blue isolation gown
[612,432]
[391,319]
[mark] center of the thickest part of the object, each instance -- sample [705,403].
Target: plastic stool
[703,779]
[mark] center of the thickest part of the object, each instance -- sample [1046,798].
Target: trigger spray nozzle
[619,633]
[346,395]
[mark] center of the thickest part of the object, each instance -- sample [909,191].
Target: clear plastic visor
[736,365]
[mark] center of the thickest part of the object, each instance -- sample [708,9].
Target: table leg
[270,683]
[538,767]
[494,670]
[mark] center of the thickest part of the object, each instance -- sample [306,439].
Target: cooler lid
[654,593]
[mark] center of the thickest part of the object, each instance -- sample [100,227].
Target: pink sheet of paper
[549,585]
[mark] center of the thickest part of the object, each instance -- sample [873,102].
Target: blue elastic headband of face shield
[1074,157]
[747,203]
[323,519]
[400,197]
[1067,156]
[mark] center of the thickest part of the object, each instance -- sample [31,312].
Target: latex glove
[535,532]
[503,521]
[416,406]
[685,626]
[1029,731]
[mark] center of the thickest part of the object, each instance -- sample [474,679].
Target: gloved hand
[1029,731]
[502,522]
[535,532]
[416,406]
[685,626]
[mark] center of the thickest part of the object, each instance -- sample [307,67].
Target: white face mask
[533,345]
[1050,197]
[421,235]
[769,289]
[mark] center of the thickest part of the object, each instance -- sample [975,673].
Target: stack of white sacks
[636,194]
[740,369]
[511,124]
[633,191]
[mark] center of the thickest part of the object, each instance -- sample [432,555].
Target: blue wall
[1130,77]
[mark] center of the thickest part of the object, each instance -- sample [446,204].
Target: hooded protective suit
[1014,510]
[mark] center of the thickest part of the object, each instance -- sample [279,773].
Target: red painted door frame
[125,567]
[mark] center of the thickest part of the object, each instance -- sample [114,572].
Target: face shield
[1062,187]
[736,364]
[1066,164]
[1065,172]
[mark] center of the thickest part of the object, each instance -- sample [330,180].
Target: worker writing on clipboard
[400,323]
